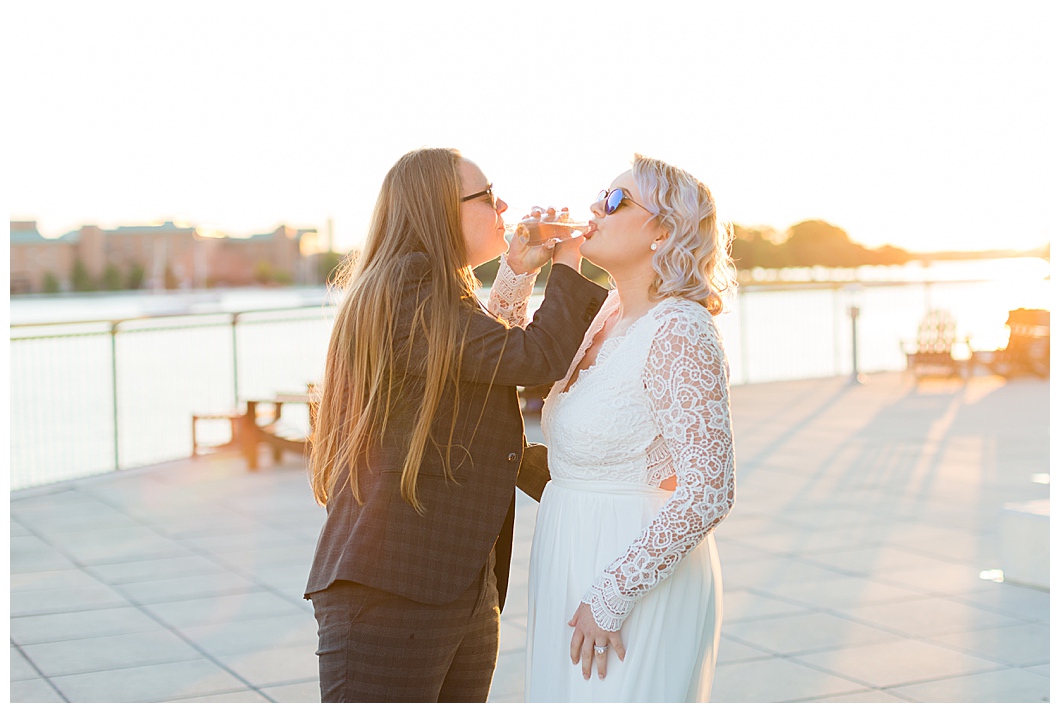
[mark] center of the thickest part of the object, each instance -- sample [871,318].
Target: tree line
[806,244]
[112,279]
[134,277]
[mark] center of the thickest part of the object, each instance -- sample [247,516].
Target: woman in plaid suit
[419,438]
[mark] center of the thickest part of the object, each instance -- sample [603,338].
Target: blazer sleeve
[496,353]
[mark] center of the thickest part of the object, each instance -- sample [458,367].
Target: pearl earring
[654,247]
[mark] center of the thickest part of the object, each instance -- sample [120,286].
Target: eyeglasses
[488,193]
[613,198]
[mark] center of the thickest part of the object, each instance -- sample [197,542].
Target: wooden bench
[280,437]
[932,353]
[1027,351]
[235,421]
[261,422]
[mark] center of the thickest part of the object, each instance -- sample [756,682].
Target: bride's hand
[568,252]
[587,635]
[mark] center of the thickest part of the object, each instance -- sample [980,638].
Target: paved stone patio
[864,516]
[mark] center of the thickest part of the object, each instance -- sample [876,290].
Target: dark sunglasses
[488,192]
[612,200]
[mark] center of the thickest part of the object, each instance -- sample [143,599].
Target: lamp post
[854,294]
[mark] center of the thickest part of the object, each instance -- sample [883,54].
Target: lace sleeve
[510,295]
[686,379]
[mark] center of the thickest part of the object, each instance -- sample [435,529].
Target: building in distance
[159,257]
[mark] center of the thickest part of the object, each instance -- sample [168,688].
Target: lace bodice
[654,405]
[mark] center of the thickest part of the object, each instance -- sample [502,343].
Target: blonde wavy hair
[417,211]
[695,261]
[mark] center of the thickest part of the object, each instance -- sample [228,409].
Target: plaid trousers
[375,646]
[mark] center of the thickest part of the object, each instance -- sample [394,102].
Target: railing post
[235,361]
[837,327]
[855,311]
[854,293]
[114,388]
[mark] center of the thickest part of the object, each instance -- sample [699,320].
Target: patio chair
[1027,351]
[932,353]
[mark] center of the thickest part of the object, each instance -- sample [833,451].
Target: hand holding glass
[543,225]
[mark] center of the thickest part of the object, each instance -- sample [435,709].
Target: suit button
[512,457]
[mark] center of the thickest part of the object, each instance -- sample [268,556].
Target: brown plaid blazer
[434,557]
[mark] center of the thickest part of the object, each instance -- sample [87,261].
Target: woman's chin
[588,251]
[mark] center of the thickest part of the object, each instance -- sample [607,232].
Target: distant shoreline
[1042,252]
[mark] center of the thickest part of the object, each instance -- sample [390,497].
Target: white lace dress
[653,407]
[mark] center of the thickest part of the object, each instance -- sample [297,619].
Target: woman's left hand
[587,636]
[522,256]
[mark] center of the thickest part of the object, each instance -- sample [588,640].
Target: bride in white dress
[625,583]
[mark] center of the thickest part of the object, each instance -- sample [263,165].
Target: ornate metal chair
[932,353]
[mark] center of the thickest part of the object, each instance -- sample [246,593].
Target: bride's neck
[634,294]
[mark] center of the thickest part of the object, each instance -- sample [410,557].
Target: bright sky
[930,125]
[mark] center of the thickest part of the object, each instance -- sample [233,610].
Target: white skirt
[671,636]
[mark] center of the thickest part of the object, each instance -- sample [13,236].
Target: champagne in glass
[558,226]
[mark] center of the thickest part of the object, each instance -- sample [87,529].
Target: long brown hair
[418,210]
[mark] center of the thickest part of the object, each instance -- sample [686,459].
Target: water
[64,423]
[36,309]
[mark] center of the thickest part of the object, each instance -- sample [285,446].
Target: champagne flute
[550,225]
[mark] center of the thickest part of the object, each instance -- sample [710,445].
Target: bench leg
[277,453]
[249,437]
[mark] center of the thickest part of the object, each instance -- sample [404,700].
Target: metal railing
[92,397]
